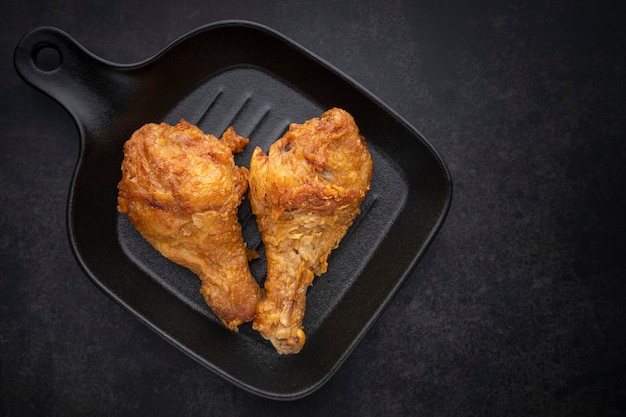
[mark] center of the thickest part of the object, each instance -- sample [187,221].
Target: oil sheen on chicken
[305,193]
[181,190]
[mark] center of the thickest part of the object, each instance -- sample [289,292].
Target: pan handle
[52,61]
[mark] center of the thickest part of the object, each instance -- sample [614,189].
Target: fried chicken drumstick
[305,194]
[181,189]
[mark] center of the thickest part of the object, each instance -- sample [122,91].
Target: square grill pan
[249,76]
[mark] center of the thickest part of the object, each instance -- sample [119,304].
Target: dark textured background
[517,309]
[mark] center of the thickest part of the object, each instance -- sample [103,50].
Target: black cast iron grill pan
[249,76]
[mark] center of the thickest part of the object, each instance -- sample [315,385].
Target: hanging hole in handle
[47,58]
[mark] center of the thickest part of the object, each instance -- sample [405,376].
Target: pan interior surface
[261,107]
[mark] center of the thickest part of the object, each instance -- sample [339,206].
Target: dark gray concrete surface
[517,308]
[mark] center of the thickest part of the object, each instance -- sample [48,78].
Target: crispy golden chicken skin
[181,190]
[305,194]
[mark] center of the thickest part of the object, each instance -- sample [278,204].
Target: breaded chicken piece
[305,194]
[181,189]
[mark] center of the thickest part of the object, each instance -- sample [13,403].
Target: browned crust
[181,189]
[305,193]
